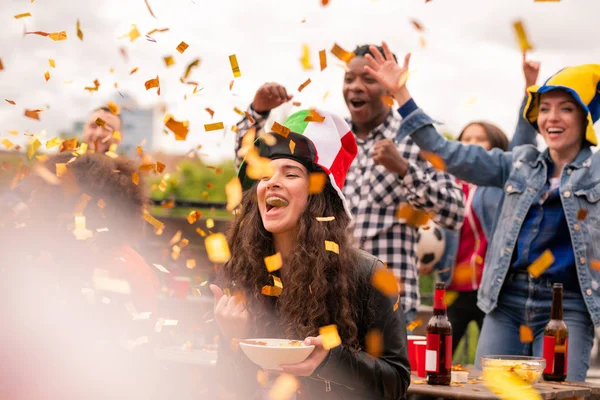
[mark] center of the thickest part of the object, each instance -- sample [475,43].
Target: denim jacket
[522,173]
[486,203]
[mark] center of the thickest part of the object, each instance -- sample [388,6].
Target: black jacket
[344,374]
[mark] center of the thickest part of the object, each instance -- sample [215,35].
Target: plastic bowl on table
[271,353]
[529,369]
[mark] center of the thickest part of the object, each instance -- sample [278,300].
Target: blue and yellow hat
[582,82]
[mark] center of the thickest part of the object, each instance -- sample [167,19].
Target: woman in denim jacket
[551,202]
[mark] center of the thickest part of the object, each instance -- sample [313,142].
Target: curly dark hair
[319,286]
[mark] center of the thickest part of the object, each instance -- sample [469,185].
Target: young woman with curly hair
[320,287]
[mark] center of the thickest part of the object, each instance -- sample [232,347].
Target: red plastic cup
[420,347]
[412,354]
[181,286]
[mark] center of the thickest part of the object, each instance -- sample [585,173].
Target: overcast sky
[469,69]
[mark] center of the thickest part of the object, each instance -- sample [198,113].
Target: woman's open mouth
[274,204]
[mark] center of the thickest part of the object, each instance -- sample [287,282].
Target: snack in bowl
[271,353]
[529,369]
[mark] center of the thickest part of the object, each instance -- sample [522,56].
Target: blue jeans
[527,301]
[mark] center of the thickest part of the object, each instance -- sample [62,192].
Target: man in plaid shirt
[384,174]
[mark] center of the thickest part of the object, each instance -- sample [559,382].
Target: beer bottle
[438,353]
[556,339]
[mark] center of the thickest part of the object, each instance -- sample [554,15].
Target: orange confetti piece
[160,167]
[238,111]
[522,36]
[595,264]
[388,100]
[330,336]
[412,216]
[200,232]
[235,68]
[233,190]
[113,107]
[149,9]
[284,388]
[316,182]
[305,59]
[10,102]
[332,246]
[180,129]
[231,84]
[435,160]
[292,146]
[57,36]
[374,343]
[305,84]
[23,15]
[213,127]
[217,248]
[132,34]
[274,262]
[92,89]
[68,145]
[47,76]
[190,264]
[322,59]
[79,32]
[153,221]
[342,54]
[384,280]
[525,334]
[152,83]
[280,129]
[210,111]
[324,2]
[135,178]
[582,214]
[414,325]
[314,116]
[169,60]
[250,119]
[538,267]
[193,216]
[52,63]
[181,47]
[191,65]
[418,26]
[33,114]
[133,71]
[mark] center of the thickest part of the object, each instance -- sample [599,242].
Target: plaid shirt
[374,194]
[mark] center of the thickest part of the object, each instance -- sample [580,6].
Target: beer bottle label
[552,352]
[433,352]
[439,299]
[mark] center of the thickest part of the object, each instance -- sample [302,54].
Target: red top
[472,246]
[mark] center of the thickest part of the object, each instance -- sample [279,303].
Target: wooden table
[477,390]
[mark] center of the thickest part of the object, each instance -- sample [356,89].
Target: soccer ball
[430,244]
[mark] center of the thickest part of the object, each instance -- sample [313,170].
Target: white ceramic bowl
[275,353]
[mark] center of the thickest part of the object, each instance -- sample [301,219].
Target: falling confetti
[435,160]
[133,71]
[47,76]
[384,280]
[323,59]
[193,216]
[79,32]
[292,146]
[213,127]
[217,248]
[387,100]
[53,143]
[305,59]
[332,246]
[414,325]
[324,2]
[417,25]
[153,221]
[595,264]
[525,334]
[274,290]
[284,388]
[169,60]
[325,219]
[280,129]
[305,84]
[80,231]
[180,129]
[412,216]
[10,102]
[132,34]
[113,107]
[94,88]
[316,182]
[51,63]
[210,223]
[274,262]
[149,9]
[7,143]
[181,47]
[233,190]
[1,66]
[33,114]
[522,36]
[330,336]
[582,214]
[342,54]
[152,83]
[135,178]
[374,343]
[538,267]
[190,264]
[191,65]
[24,15]
[235,68]
[314,116]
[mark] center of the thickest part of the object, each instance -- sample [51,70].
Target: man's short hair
[364,49]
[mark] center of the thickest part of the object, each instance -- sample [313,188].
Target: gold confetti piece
[280,129]
[325,219]
[422,41]
[210,111]
[169,60]
[181,47]
[180,129]
[387,100]
[235,68]
[191,65]
[149,9]
[57,36]
[51,63]
[522,36]
[213,127]
[322,59]
[538,267]
[384,280]
[595,264]
[190,264]
[94,88]
[314,116]
[193,216]
[274,262]
[292,146]
[250,119]
[450,297]
[10,102]
[374,343]
[210,223]
[342,54]
[157,30]
[305,59]
[176,238]
[237,110]
[152,83]
[61,169]
[200,232]
[414,325]
[582,214]
[412,216]
[330,336]
[135,178]
[284,388]
[34,145]
[525,334]
[305,84]
[233,190]
[332,246]
[508,386]
[274,290]
[152,221]
[7,143]
[68,145]
[133,71]
[79,32]
[326,95]
[316,182]
[47,76]
[160,167]
[262,377]
[434,159]
[296,104]
[132,34]
[24,15]
[418,26]
[217,248]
